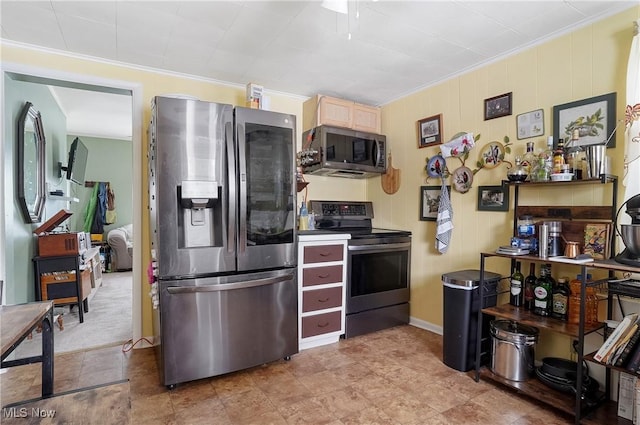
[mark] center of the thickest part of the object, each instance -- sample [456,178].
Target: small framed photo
[493,198]
[530,124]
[497,106]
[594,118]
[430,201]
[430,131]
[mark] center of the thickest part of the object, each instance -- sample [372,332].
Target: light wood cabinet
[322,275]
[326,110]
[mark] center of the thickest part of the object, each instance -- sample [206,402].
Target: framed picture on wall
[493,198]
[530,124]
[497,106]
[429,202]
[594,118]
[430,131]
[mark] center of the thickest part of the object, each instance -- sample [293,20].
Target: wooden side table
[60,286]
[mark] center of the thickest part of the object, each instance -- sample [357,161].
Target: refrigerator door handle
[231,178]
[242,198]
[227,286]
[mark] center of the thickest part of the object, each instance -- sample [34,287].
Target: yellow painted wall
[588,62]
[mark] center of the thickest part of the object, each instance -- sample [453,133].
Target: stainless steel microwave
[342,152]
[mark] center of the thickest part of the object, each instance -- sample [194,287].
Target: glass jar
[541,172]
[526,226]
[517,173]
[573,315]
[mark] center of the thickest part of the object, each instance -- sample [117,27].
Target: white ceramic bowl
[561,177]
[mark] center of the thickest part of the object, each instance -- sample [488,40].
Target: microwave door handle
[231,191]
[378,155]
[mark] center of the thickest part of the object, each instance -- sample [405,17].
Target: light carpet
[108,321]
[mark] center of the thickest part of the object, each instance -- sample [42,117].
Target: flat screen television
[77,164]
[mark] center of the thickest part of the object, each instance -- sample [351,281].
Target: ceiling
[299,47]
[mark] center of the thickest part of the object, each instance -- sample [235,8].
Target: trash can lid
[469,278]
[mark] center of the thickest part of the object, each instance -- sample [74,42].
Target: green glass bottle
[529,285]
[517,283]
[542,293]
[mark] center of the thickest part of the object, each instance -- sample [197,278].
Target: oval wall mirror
[30,164]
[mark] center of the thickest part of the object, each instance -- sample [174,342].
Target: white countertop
[321,235]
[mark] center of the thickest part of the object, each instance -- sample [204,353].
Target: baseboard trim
[422,324]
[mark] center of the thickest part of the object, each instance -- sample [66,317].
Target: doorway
[12,229]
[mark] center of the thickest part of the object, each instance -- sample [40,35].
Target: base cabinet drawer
[321,324]
[321,299]
[322,253]
[321,275]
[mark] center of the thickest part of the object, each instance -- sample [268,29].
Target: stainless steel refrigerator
[222,197]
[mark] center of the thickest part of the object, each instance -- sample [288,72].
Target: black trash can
[460,325]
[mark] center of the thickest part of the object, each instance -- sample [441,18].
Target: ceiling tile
[88,37]
[220,14]
[96,11]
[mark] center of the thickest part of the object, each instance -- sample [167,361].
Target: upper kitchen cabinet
[325,110]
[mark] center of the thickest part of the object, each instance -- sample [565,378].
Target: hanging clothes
[100,215]
[90,210]
[111,215]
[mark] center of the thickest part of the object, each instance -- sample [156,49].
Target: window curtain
[631,179]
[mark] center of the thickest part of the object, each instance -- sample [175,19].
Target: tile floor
[394,376]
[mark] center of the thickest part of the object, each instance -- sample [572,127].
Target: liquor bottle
[542,293]
[529,284]
[572,155]
[558,157]
[517,280]
[529,159]
[547,154]
[560,295]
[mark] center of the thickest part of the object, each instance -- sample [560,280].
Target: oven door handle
[377,247]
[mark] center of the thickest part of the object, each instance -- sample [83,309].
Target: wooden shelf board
[596,264]
[589,358]
[535,389]
[606,413]
[521,315]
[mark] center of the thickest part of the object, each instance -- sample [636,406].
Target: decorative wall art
[430,131]
[462,179]
[437,167]
[497,106]
[429,202]
[493,198]
[493,154]
[530,124]
[595,119]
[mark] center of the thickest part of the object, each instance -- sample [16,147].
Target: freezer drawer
[219,325]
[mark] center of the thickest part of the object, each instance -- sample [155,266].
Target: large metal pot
[512,349]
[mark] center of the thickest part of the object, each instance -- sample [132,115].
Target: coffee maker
[630,233]
[555,238]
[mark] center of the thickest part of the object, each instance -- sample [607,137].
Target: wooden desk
[16,323]
[68,292]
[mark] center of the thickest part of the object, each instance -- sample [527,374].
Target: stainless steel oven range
[378,266]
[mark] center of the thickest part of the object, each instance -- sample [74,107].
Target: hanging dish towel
[444,221]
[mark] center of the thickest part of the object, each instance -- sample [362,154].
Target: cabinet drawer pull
[324,254]
[324,300]
[323,326]
[323,276]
